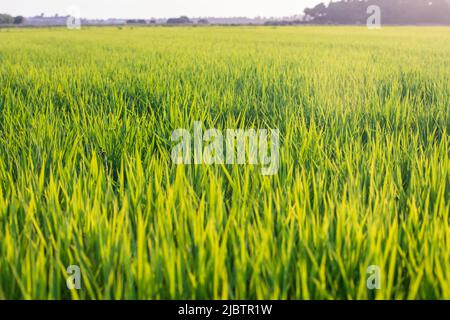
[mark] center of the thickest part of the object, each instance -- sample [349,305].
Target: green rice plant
[86,176]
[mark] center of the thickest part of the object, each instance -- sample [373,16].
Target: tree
[180,20]
[392,11]
[6,19]
[19,20]
[318,11]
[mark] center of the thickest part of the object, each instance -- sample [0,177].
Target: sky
[157,8]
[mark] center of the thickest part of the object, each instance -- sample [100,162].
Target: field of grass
[86,176]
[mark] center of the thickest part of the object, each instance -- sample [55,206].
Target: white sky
[158,8]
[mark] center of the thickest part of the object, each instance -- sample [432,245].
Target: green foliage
[19,20]
[86,177]
[180,20]
[436,12]
[6,19]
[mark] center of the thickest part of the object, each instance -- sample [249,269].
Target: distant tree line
[136,21]
[186,20]
[180,20]
[392,12]
[8,19]
[283,22]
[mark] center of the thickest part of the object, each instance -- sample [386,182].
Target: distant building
[113,22]
[41,21]
[56,20]
[46,21]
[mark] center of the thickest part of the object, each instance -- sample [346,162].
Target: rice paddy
[86,176]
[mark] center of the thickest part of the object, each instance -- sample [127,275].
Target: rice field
[86,176]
